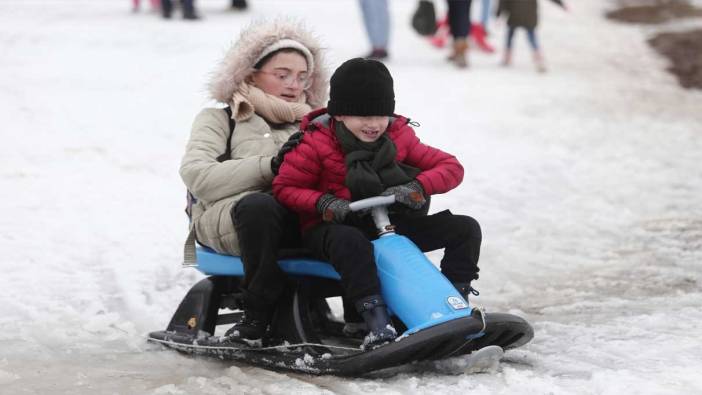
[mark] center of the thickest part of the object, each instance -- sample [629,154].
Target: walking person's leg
[376,19]
[536,51]
[189,10]
[166,8]
[485,8]
[459,22]
[507,60]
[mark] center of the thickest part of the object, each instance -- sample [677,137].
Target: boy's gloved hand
[288,146]
[332,208]
[410,194]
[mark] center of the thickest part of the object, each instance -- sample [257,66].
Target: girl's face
[284,75]
[366,128]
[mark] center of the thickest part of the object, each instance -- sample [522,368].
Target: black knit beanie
[361,87]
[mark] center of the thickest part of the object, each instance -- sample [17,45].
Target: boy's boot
[539,62]
[354,326]
[459,56]
[239,4]
[465,289]
[375,313]
[507,60]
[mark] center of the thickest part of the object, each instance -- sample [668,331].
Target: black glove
[410,194]
[288,146]
[332,208]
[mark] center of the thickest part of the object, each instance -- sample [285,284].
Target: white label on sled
[457,303]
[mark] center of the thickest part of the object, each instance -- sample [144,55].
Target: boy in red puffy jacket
[357,148]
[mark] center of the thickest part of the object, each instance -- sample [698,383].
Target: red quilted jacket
[316,166]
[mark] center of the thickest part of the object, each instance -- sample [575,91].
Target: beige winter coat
[219,186]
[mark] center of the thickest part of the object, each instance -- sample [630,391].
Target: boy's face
[366,128]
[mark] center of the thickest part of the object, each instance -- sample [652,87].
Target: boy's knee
[469,226]
[350,238]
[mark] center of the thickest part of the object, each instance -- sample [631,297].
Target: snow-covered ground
[587,182]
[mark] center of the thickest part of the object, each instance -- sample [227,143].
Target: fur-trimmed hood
[240,59]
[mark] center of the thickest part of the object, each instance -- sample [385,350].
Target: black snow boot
[253,325]
[354,326]
[251,328]
[466,290]
[375,313]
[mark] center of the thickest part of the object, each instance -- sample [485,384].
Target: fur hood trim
[239,60]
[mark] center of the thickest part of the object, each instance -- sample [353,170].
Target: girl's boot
[253,324]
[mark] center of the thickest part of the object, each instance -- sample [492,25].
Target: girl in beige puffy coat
[271,77]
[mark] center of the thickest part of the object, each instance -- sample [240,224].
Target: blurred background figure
[523,13]
[239,5]
[485,8]
[188,7]
[459,25]
[376,19]
[155,5]
[478,31]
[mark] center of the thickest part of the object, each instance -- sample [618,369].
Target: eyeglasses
[287,78]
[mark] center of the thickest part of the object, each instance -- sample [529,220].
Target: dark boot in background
[166,8]
[377,54]
[239,5]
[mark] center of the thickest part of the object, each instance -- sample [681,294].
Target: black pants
[349,250]
[264,227]
[459,17]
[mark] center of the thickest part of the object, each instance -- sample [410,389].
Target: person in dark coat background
[523,13]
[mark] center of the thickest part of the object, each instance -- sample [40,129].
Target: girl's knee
[256,206]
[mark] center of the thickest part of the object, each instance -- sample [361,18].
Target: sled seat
[211,263]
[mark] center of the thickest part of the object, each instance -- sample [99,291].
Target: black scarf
[371,167]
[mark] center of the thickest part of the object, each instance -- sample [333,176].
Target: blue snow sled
[433,319]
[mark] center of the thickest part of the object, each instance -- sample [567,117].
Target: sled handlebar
[378,210]
[371,202]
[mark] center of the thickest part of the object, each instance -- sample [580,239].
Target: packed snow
[586,180]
